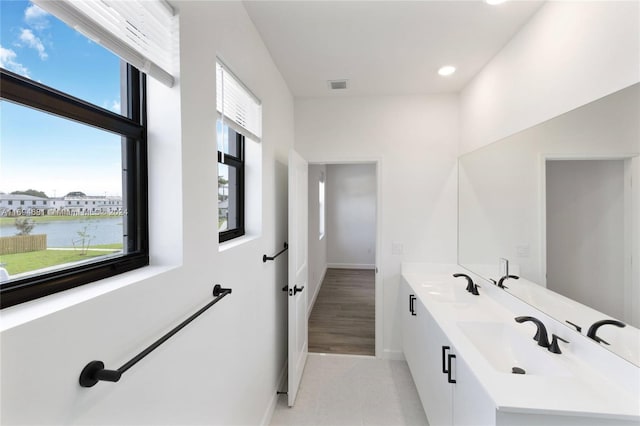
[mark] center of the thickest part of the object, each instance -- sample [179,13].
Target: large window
[73,169]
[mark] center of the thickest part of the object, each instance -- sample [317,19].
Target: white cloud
[8,61]
[27,36]
[113,105]
[35,17]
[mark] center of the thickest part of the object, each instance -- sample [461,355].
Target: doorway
[342,258]
[589,223]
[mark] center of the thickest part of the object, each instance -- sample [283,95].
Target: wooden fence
[22,243]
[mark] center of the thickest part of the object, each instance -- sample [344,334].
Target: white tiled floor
[338,390]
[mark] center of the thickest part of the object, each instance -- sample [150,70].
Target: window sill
[30,311]
[236,242]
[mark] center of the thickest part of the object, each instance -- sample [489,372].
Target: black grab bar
[265,257]
[94,372]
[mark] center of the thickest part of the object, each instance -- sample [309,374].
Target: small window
[321,207]
[239,121]
[230,184]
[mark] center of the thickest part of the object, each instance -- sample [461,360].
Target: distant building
[72,204]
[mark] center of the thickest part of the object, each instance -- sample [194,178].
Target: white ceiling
[384,47]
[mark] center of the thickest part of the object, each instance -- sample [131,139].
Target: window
[69,147]
[321,208]
[239,121]
[230,184]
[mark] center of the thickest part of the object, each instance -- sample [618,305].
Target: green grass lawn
[107,246]
[25,262]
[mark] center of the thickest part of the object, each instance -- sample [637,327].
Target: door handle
[412,299]
[449,379]
[297,289]
[444,359]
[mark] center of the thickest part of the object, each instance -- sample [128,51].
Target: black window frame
[133,131]
[236,163]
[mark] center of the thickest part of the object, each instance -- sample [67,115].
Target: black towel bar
[265,257]
[94,372]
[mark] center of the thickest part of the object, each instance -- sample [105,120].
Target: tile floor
[343,390]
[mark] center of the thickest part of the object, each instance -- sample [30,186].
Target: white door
[298,271]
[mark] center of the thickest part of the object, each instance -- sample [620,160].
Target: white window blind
[142,32]
[237,106]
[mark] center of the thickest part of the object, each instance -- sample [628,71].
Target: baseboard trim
[393,355]
[315,295]
[271,408]
[350,266]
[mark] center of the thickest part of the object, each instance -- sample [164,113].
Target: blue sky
[41,151]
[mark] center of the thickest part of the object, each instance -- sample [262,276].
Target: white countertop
[581,390]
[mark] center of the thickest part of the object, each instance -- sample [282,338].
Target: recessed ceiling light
[447,70]
[494,2]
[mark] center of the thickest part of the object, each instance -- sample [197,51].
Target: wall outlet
[397,248]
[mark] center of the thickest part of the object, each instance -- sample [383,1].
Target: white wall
[351,215]
[415,140]
[585,233]
[224,367]
[569,54]
[317,247]
[501,186]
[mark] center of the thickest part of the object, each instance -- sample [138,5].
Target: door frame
[632,196]
[378,271]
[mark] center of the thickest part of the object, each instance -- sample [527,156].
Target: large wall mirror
[560,201]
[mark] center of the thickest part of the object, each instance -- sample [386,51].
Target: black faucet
[554,346]
[591,333]
[541,335]
[501,281]
[471,287]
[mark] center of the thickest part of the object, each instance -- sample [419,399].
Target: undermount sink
[504,348]
[446,293]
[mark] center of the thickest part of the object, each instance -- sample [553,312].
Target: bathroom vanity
[473,364]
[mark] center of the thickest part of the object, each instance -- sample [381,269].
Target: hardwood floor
[343,317]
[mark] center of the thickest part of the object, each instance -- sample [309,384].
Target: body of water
[63,233]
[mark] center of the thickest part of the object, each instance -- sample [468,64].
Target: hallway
[352,390]
[343,317]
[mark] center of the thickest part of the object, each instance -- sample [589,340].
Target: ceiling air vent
[337,84]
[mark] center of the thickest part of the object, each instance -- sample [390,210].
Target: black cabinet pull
[449,379]
[412,299]
[297,289]
[444,359]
